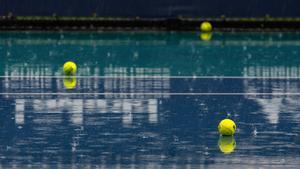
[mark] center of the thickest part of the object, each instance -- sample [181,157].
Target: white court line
[161,94]
[169,77]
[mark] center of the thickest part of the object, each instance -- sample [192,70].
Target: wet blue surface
[149,100]
[102,127]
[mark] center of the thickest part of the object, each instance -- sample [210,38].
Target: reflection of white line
[160,94]
[168,77]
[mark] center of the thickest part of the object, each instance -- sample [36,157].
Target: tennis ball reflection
[70,82]
[227,144]
[206,36]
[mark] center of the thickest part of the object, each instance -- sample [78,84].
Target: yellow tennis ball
[227,144]
[227,127]
[70,68]
[70,82]
[206,27]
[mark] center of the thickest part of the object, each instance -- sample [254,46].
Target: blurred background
[152,9]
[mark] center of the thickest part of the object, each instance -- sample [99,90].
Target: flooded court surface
[149,100]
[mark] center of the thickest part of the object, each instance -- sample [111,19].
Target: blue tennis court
[149,100]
